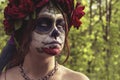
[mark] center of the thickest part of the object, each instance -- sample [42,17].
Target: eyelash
[45,22]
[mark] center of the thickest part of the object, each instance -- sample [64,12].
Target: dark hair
[23,37]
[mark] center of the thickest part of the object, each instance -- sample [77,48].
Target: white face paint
[49,34]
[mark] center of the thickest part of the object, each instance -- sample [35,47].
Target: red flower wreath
[77,15]
[18,10]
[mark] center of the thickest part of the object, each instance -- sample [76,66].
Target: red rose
[26,6]
[16,10]
[76,15]
[13,12]
[76,22]
[11,1]
[41,3]
[19,11]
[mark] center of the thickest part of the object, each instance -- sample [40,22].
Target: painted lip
[50,51]
[53,42]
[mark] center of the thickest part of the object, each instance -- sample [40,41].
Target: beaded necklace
[46,77]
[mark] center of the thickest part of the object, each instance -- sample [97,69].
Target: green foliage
[95,47]
[3,37]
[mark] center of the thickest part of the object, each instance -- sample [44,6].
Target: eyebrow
[50,16]
[51,19]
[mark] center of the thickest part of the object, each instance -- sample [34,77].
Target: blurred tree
[3,37]
[95,47]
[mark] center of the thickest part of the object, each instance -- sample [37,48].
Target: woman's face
[49,34]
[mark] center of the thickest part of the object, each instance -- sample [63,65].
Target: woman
[38,30]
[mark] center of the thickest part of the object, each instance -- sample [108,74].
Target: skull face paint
[49,34]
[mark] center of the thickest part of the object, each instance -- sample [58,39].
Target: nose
[55,34]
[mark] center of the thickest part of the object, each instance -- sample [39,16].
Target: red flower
[19,10]
[41,3]
[26,6]
[76,15]
[11,1]
[16,10]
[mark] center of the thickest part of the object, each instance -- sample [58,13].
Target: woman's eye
[61,24]
[44,22]
[43,25]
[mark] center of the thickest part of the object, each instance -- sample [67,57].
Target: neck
[38,66]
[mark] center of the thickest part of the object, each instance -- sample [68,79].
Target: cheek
[37,40]
[62,39]
[63,36]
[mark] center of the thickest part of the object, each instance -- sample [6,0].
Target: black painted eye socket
[60,23]
[43,25]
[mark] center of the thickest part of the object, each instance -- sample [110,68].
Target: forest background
[95,47]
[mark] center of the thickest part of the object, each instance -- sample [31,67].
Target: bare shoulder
[73,75]
[9,74]
[2,76]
